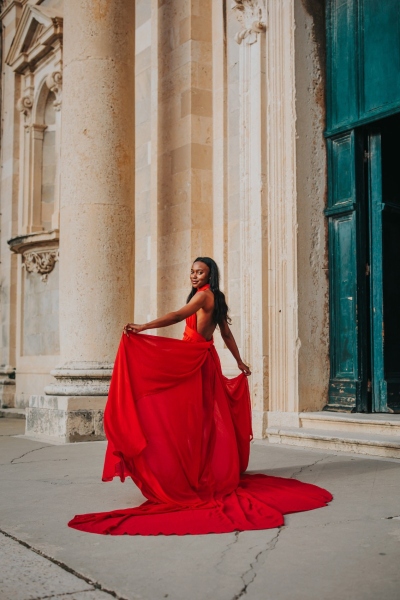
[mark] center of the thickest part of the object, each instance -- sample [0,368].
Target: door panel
[347,296]
[380,50]
[379,388]
[391,258]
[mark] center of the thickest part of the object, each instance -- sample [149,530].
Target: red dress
[182,431]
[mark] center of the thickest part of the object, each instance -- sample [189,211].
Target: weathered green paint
[378,383]
[342,93]
[363,98]
[347,294]
[363,62]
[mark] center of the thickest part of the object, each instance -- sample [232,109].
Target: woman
[182,431]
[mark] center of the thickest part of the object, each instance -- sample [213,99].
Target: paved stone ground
[349,550]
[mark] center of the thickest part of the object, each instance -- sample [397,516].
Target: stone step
[12,413]
[381,424]
[342,441]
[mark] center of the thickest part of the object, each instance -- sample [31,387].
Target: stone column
[281,197]
[96,215]
[253,209]
[9,207]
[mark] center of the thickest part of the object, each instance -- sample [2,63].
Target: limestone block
[197,102]
[65,419]
[194,28]
[7,392]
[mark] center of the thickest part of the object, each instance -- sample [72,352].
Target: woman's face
[199,274]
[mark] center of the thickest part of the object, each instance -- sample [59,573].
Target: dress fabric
[182,432]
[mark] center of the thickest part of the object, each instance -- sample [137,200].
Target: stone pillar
[9,207]
[96,215]
[253,209]
[281,198]
[185,152]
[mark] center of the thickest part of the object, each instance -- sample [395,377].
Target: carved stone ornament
[40,261]
[251,15]
[24,105]
[54,83]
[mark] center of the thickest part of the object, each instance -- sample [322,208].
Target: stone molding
[80,379]
[281,200]
[39,32]
[251,14]
[41,262]
[253,216]
[54,83]
[33,241]
[25,104]
[39,251]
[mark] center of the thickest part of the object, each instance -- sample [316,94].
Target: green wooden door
[363,62]
[348,381]
[390,133]
[374,162]
[364,267]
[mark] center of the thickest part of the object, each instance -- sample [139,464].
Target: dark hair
[220,314]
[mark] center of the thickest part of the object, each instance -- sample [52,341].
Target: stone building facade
[137,135]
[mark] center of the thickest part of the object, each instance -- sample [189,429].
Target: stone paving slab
[25,575]
[349,550]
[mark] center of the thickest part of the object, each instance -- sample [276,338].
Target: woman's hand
[132,328]
[244,368]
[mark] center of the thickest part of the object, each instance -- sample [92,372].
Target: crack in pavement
[227,548]
[29,462]
[65,567]
[252,568]
[62,595]
[26,453]
[307,467]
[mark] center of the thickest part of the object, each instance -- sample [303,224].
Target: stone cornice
[13,4]
[38,32]
[33,241]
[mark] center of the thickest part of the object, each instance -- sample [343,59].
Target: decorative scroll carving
[24,105]
[251,15]
[54,83]
[40,261]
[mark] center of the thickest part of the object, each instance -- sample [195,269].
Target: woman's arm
[171,318]
[230,343]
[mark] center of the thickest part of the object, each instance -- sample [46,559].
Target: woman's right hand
[132,328]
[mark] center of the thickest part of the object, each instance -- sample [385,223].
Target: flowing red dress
[182,431]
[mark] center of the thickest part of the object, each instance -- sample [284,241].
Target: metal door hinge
[367,156]
[367,270]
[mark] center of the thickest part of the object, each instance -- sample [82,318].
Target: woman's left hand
[132,328]
[244,368]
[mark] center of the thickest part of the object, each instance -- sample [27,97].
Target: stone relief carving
[24,105]
[54,83]
[251,14]
[40,261]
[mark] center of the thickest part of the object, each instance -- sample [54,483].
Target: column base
[65,419]
[259,422]
[278,418]
[7,387]
[80,379]
[7,392]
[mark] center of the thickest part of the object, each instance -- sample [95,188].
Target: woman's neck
[204,287]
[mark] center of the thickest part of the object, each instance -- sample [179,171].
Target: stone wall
[145,36]
[311,198]
[40,327]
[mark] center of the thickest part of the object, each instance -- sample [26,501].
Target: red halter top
[190,333]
